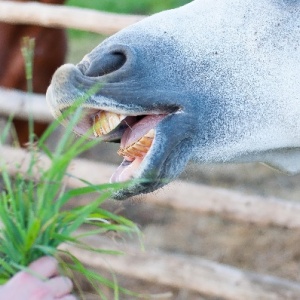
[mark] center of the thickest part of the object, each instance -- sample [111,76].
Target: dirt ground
[268,250]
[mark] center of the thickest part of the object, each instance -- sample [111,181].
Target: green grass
[34,220]
[144,7]
[33,217]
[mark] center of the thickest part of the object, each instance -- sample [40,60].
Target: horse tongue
[138,130]
[126,170]
[130,166]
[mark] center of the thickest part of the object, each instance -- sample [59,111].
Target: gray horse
[218,81]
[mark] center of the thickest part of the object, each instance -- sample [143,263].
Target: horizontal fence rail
[201,199]
[64,17]
[24,105]
[187,272]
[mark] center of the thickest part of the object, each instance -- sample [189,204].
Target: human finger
[60,286]
[45,266]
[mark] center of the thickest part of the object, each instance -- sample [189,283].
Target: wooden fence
[179,271]
[64,17]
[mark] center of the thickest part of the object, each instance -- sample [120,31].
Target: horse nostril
[83,66]
[107,64]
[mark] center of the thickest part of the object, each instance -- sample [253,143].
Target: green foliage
[28,54]
[34,221]
[33,217]
[142,7]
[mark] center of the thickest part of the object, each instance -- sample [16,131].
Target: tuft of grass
[33,217]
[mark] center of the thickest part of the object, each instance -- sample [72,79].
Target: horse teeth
[104,122]
[140,147]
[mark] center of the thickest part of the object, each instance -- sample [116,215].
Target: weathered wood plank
[22,105]
[187,272]
[200,199]
[64,17]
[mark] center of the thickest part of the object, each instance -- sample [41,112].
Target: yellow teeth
[140,147]
[104,122]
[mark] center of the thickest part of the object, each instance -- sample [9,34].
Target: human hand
[27,286]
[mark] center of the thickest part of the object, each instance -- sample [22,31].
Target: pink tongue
[126,172]
[129,166]
[138,130]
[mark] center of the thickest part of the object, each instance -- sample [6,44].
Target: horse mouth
[136,135]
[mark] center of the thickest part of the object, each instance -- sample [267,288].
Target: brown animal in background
[50,52]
